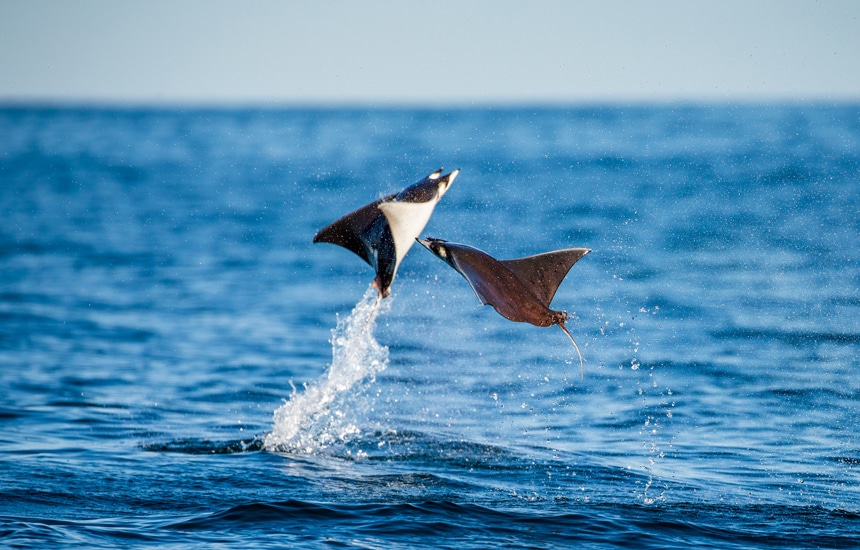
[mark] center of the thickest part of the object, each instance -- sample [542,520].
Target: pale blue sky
[417,52]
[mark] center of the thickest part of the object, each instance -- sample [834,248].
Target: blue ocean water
[180,366]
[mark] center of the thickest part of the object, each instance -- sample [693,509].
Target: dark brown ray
[520,290]
[382,232]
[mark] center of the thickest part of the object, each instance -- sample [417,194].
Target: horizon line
[351,104]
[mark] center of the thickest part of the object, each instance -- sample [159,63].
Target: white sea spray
[324,412]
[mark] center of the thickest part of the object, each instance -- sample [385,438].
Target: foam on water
[323,414]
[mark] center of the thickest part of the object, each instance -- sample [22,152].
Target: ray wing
[543,273]
[483,292]
[353,230]
[495,285]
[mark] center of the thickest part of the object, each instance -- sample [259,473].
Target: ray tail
[581,363]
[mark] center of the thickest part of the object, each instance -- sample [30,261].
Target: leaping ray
[520,290]
[382,232]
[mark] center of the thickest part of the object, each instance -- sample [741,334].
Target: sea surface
[180,366]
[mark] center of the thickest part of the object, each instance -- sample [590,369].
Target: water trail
[324,413]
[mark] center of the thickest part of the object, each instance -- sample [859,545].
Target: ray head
[429,189]
[438,248]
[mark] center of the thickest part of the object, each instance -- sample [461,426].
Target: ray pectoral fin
[543,273]
[406,220]
[475,279]
[353,230]
[343,235]
[480,292]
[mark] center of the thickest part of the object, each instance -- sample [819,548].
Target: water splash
[324,413]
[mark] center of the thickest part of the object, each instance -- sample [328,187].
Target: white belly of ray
[407,220]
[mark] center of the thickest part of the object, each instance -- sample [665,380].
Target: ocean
[181,366]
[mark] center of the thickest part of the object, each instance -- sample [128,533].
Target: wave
[201,446]
[430,524]
[794,338]
[472,525]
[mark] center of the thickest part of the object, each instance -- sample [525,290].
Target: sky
[375,52]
